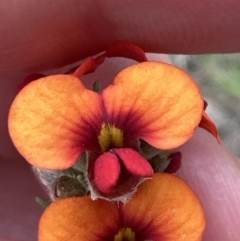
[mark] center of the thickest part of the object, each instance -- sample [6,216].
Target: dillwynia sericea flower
[101,141]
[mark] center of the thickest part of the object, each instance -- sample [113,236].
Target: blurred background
[218,76]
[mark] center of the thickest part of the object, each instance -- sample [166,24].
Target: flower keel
[106,172]
[118,172]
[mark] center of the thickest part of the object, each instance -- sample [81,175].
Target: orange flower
[54,119]
[163,209]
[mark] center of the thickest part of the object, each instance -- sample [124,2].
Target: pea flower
[55,119]
[163,209]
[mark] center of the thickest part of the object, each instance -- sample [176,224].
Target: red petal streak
[119,49]
[89,66]
[134,162]
[127,50]
[106,172]
[207,124]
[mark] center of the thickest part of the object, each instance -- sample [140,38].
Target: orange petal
[79,219]
[164,208]
[53,119]
[207,124]
[155,101]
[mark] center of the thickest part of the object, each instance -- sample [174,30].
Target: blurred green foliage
[223,70]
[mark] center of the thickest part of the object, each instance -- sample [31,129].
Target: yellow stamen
[125,234]
[110,136]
